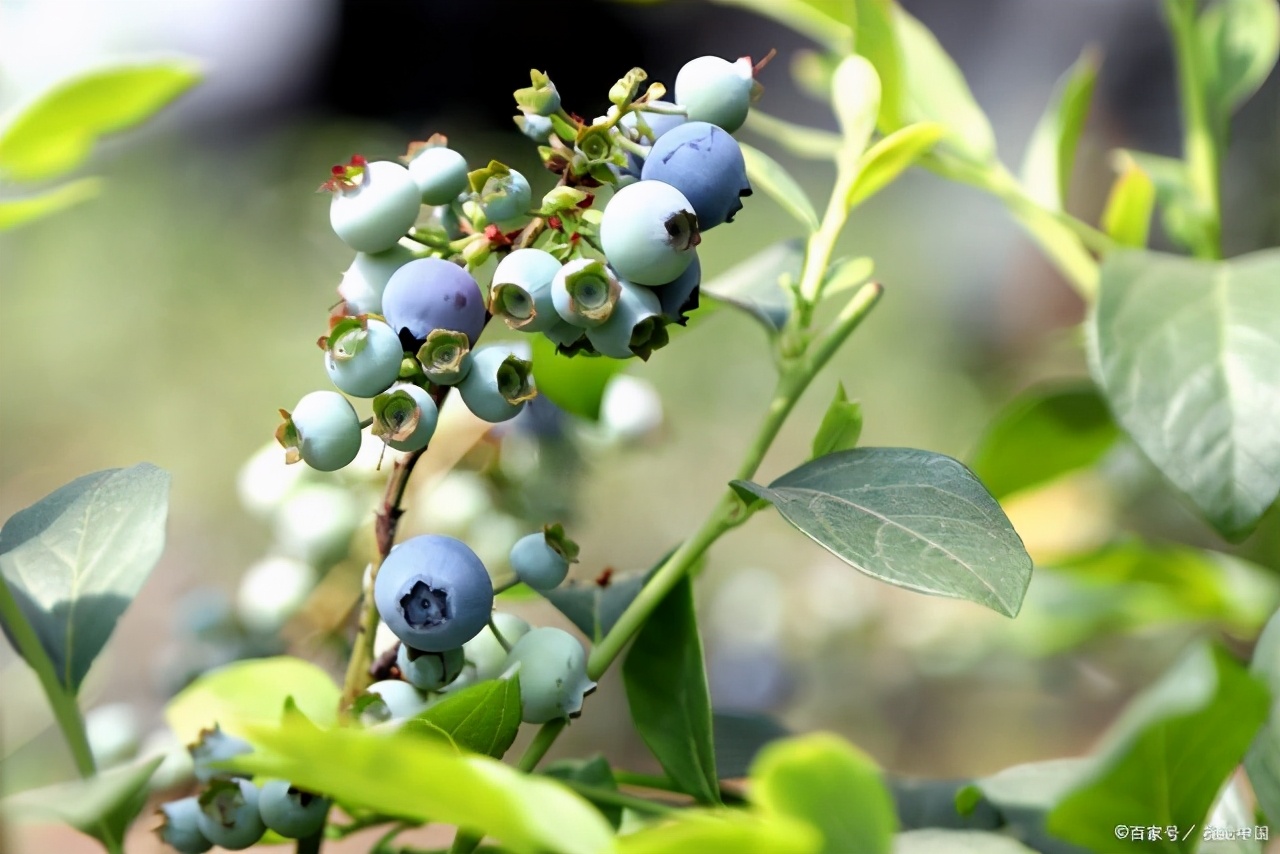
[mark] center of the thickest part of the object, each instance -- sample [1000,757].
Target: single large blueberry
[430,294]
[434,593]
[706,165]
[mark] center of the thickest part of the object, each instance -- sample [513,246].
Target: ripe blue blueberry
[291,812]
[648,232]
[376,207]
[498,384]
[362,356]
[504,194]
[322,431]
[584,292]
[716,90]
[434,593]
[520,291]
[366,278]
[229,814]
[430,671]
[405,416]
[542,560]
[705,164]
[390,700]
[681,296]
[440,173]
[430,294]
[553,675]
[180,828]
[214,745]
[635,328]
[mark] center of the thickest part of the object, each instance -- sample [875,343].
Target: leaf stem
[541,743]
[612,797]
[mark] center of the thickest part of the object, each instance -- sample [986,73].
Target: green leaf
[913,518]
[1263,761]
[768,175]
[847,274]
[57,132]
[419,779]
[739,736]
[934,841]
[754,285]
[855,97]
[1240,40]
[1023,795]
[1051,153]
[667,692]
[252,693]
[75,559]
[1045,432]
[841,425]
[576,384]
[483,718]
[723,831]
[876,39]
[1185,219]
[1185,352]
[883,162]
[593,772]
[1168,755]
[823,780]
[1127,216]
[103,806]
[16,212]
[824,21]
[593,606]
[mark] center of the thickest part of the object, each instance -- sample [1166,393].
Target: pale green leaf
[1263,761]
[103,806]
[1051,153]
[841,425]
[483,718]
[768,175]
[16,212]
[855,97]
[890,157]
[756,284]
[1127,215]
[1239,41]
[723,832]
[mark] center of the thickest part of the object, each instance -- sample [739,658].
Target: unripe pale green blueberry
[584,292]
[553,675]
[376,207]
[485,656]
[520,291]
[414,419]
[322,431]
[214,745]
[430,671]
[498,384]
[634,329]
[291,812]
[390,699]
[362,356]
[504,195]
[229,814]
[180,828]
[440,173]
[542,560]
[716,90]
[365,280]
[648,232]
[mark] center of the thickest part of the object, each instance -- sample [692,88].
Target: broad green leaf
[667,692]
[248,693]
[855,97]
[723,831]
[1239,40]
[846,274]
[576,384]
[824,21]
[755,285]
[103,806]
[75,559]
[824,781]
[16,212]
[594,606]
[956,842]
[1127,216]
[1044,433]
[593,772]
[739,736]
[1168,755]
[769,175]
[841,425]
[420,779]
[1022,796]
[875,39]
[57,132]
[1051,153]
[883,162]
[912,518]
[1185,352]
[1263,761]
[482,718]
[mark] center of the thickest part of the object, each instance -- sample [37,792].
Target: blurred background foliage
[168,319]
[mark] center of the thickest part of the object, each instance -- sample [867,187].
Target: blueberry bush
[476,305]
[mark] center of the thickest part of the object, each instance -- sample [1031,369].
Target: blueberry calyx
[424,606]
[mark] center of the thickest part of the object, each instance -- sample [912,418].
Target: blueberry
[440,173]
[434,593]
[634,329]
[537,128]
[520,291]
[366,278]
[406,417]
[648,232]
[429,294]
[323,431]
[376,208]
[485,656]
[362,356]
[180,829]
[498,384]
[291,812]
[542,560]
[445,357]
[706,165]
[553,675]
[503,193]
[390,700]
[584,292]
[229,814]
[565,334]
[430,671]
[214,745]
[681,296]
[716,90]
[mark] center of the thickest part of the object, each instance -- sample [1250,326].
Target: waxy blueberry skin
[648,232]
[494,389]
[434,593]
[614,337]
[537,564]
[430,671]
[429,294]
[372,370]
[705,164]
[716,90]
[440,173]
[365,280]
[380,209]
[181,829]
[289,812]
[229,816]
[428,419]
[329,430]
[553,675]
[520,291]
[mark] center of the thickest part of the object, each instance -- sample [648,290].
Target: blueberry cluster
[601,266]
[234,812]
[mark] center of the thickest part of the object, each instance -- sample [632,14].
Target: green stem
[542,741]
[1199,147]
[311,844]
[493,627]
[465,842]
[817,256]
[612,797]
[656,782]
